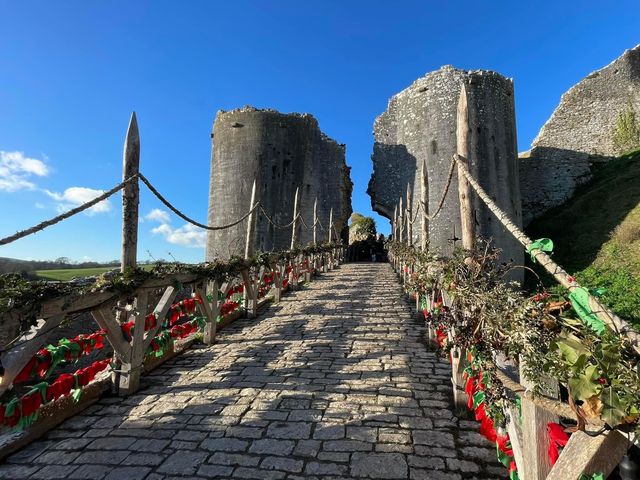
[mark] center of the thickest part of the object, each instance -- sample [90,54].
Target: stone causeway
[336,381]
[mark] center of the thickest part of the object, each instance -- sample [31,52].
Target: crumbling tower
[282,152]
[420,125]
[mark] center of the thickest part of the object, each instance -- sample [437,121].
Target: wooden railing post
[129,356]
[424,202]
[535,439]
[213,289]
[315,221]
[409,217]
[394,223]
[130,195]
[249,243]
[250,297]
[306,260]
[464,191]
[401,217]
[276,270]
[295,219]
[331,225]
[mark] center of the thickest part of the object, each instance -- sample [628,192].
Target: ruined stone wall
[580,131]
[283,152]
[420,124]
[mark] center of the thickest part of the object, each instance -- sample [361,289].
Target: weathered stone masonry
[420,124]
[283,152]
[580,131]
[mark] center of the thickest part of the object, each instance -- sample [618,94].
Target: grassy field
[71,273]
[597,234]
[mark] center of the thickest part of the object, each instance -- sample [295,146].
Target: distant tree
[63,260]
[361,228]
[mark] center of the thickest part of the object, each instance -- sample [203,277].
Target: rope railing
[603,313]
[188,219]
[74,211]
[273,222]
[85,206]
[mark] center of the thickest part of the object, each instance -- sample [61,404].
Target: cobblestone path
[334,382]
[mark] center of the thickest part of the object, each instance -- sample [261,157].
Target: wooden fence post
[331,225]
[401,218]
[424,202]
[130,195]
[295,219]
[394,223]
[249,243]
[315,221]
[409,217]
[535,439]
[213,289]
[249,299]
[464,192]
[276,270]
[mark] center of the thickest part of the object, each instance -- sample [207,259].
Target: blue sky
[71,73]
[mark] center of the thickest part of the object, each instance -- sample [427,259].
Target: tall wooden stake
[424,202]
[130,195]
[331,225]
[249,244]
[315,222]
[295,220]
[464,192]
[409,217]
[394,224]
[401,218]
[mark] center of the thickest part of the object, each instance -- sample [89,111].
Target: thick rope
[444,193]
[190,220]
[64,216]
[318,222]
[272,222]
[603,313]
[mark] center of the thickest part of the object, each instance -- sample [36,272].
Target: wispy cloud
[75,196]
[158,215]
[187,235]
[17,171]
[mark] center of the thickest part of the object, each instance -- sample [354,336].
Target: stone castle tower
[281,152]
[420,125]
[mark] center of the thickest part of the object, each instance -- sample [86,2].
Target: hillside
[597,234]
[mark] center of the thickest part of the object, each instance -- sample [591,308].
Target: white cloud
[157,215]
[75,196]
[188,235]
[16,171]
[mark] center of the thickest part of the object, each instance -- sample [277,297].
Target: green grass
[596,234]
[67,274]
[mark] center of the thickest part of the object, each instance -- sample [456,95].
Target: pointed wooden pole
[315,221]
[424,203]
[401,216]
[464,191]
[249,243]
[295,220]
[409,217]
[330,225]
[394,223]
[130,195]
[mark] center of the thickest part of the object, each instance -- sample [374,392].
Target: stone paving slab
[334,382]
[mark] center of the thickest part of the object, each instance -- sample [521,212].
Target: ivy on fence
[467,302]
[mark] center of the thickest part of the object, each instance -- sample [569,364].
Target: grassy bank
[67,274]
[597,234]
